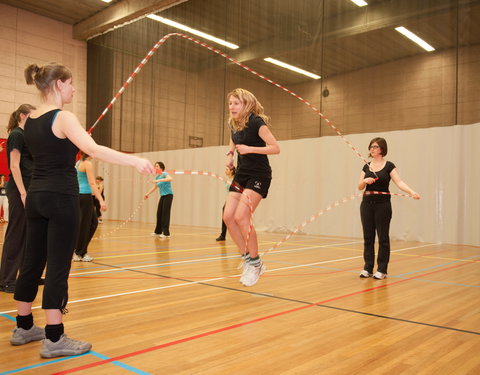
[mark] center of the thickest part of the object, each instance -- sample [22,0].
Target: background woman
[229,172]
[88,216]
[376,209]
[163,182]
[20,163]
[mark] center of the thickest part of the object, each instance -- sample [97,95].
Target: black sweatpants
[88,224]
[224,226]
[376,217]
[163,214]
[52,232]
[14,243]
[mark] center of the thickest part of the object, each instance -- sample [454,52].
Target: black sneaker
[9,288]
[220,238]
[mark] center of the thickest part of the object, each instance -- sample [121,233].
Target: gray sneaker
[22,336]
[64,347]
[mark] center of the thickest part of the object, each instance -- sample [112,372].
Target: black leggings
[163,214]
[52,231]
[14,243]
[88,224]
[376,217]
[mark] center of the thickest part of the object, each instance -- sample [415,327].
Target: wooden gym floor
[175,306]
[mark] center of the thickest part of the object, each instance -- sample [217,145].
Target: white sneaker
[253,274]
[364,274]
[87,258]
[379,276]
[154,234]
[77,258]
[163,236]
[245,265]
[64,347]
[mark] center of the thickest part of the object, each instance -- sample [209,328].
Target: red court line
[209,333]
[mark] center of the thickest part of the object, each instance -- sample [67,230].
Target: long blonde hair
[250,105]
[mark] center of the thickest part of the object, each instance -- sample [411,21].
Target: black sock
[53,332]
[25,321]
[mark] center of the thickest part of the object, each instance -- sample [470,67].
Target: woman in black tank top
[54,137]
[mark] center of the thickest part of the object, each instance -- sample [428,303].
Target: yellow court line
[441,258]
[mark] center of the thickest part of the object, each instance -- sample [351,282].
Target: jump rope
[210,174]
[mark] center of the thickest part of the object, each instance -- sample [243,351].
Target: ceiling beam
[380,15]
[123,12]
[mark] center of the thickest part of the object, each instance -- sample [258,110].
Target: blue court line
[439,265]
[40,364]
[8,317]
[120,364]
[95,354]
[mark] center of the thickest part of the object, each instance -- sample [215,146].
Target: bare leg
[237,218]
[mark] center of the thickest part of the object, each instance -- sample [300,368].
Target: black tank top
[53,157]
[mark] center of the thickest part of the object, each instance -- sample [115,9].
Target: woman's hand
[369,180]
[103,206]
[229,162]
[23,197]
[243,149]
[144,166]
[415,195]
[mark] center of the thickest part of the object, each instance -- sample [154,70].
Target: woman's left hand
[242,149]
[415,196]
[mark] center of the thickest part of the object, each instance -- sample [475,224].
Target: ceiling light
[415,38]
[107,1]
[360,3]
[291,67]
[177,25]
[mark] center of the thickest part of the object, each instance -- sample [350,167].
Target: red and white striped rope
[236,187]
[328,208]
[223,54]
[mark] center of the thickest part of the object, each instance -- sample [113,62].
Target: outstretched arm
[402,185]
[67,125]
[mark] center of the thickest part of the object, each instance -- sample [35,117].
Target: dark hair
[45,77]
[24,109]
[99,178]
[160,163]
[233,170]
[381,142]
[83,156]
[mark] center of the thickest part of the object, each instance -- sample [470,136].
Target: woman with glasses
[376,209]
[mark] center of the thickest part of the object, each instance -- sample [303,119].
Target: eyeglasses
[374,146]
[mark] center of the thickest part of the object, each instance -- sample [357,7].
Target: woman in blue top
[163,181]
[88,217]
[376,209]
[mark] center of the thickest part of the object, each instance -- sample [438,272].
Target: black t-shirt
[252,164]
[381,184]
[54,158]
[16,141]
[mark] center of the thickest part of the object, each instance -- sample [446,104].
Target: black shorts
[259,185]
